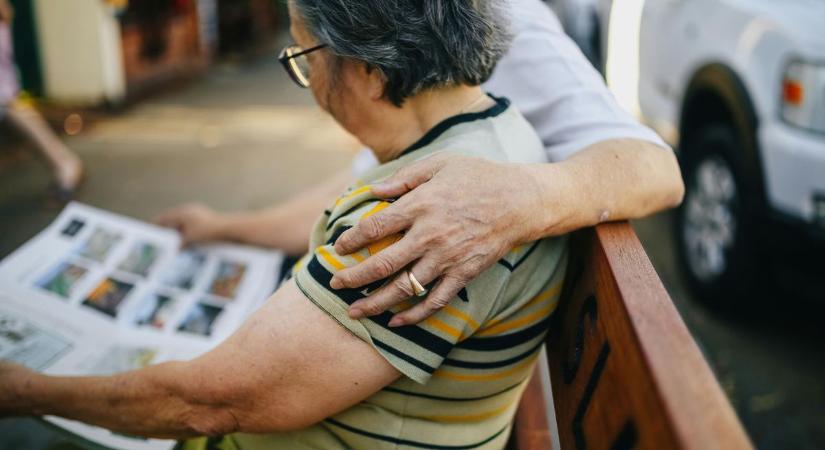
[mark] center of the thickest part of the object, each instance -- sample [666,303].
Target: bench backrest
[625,371]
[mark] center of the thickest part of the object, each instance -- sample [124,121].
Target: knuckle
[471,269]
[457,278]
[440,240]
[383,267]
[372,228]
[403,286]
[436,303]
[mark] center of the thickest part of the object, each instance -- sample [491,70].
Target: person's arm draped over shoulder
[270,375]
[606,166]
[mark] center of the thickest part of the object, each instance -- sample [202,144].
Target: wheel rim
[709,221]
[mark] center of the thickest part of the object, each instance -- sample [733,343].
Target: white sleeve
[363,161]
[551,82]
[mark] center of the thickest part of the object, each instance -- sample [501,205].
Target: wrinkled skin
[10,376]
[443,242]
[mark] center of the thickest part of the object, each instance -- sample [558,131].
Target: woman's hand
[194,221]
[459,216]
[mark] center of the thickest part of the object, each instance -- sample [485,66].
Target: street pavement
[244,137]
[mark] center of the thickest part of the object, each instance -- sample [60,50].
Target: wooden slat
[626,373]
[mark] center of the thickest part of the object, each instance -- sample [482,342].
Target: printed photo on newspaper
[95,277]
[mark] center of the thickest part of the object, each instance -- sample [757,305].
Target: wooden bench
[625,371]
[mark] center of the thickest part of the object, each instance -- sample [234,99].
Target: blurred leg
[66,167]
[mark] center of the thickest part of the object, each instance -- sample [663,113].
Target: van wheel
[714,225]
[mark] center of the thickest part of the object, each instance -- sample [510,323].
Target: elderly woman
[603,165]
[402,76]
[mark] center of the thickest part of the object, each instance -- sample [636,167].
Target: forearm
[612,180]
[150,402]
[286,226]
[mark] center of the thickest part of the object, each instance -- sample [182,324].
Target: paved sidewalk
[242,137]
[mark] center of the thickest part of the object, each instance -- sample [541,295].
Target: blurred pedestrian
[67,168]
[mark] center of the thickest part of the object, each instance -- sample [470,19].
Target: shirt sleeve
[415,350]
[551,82]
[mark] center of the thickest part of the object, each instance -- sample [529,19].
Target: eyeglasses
[295,62]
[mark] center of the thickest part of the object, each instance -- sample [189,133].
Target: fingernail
[335,283]
[396,322]
[356,314]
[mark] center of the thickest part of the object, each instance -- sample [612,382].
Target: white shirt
[551,82]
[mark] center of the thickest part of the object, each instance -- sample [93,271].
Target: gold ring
[417,288]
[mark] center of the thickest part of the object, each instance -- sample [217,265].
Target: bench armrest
[625,370]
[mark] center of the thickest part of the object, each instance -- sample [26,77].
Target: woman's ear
[376,83]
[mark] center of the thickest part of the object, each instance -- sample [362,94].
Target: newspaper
[97,293]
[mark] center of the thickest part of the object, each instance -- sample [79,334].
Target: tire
[716,224]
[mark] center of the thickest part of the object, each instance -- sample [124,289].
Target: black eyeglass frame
[295,73]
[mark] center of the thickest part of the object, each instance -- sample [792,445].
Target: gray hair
[415,44]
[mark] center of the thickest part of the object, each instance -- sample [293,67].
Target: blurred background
[167,101]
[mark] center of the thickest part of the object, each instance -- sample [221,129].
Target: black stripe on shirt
[506,341]
[409,443]
[501,105]
[336,234]
[514,266]
[349,211]
[404,356]
[494,364]
[451,399]
[413,333]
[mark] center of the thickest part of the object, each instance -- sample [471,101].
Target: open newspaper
[98,293]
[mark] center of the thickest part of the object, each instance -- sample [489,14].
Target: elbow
[668,189]
[674,193]
[210,415]
[676,185]
[248,410]
[678,194]
[205,406]
[266,414]
[211,421]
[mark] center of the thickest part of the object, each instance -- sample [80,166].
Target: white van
[739,87]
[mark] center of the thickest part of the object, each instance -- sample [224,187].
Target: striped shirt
[465,367]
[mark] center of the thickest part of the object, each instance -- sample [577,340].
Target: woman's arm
[494,207]
[290,365]
[286,226]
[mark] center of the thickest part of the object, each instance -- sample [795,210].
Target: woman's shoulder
[507,136]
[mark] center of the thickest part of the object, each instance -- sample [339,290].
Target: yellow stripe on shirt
[352,194]
[549,292]
[436,323]
[461,315]
[330,259]
[470,417]
[375,210]
[521,321]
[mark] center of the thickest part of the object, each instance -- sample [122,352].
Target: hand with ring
[453,229]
